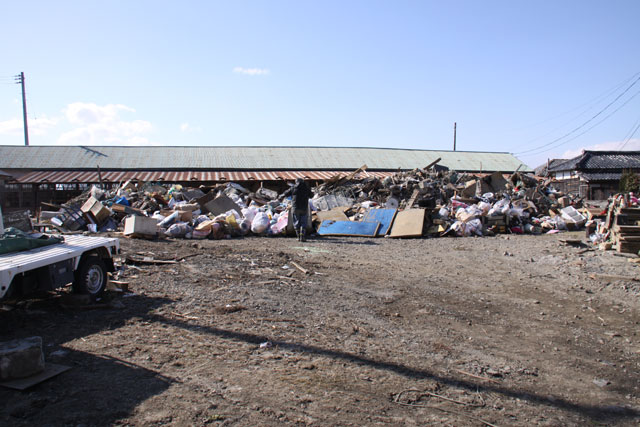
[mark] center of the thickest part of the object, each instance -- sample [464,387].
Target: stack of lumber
[624,226]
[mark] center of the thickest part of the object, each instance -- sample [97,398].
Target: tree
[629,182]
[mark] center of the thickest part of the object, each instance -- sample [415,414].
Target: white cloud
[102,124]
[632,145]
[186,127]
[38,126]
[251,71]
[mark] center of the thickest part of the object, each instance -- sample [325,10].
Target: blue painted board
[348,228]
[383,216]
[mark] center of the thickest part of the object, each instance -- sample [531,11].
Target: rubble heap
[620,229]
[450,203]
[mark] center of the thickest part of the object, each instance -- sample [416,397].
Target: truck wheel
[91,277]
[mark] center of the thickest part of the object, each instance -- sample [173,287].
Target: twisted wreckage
[428,202]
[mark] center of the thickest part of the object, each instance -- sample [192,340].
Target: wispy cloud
[102,124]
[37,126]
[251,71]
[186,127]
[632,145]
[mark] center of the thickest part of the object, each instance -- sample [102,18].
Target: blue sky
[514,75]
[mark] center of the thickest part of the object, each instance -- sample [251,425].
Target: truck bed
[73,247]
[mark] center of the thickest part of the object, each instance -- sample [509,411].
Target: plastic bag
[217,230]
[200,219]
[201,234]
[484,207]
[180,229]
[474,227]
[260,223]
[500,207]
[280,224]
[443,213]
[249,213]
[245,227]
[96,192]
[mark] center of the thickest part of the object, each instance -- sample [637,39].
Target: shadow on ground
[609,413]
[98,390]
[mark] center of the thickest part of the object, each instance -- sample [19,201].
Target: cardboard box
[140,225]
[96,210]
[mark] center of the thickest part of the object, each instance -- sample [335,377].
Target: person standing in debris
[300,194]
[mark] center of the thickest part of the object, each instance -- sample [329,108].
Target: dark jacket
[300,194]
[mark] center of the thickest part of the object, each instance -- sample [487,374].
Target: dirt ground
[506,330]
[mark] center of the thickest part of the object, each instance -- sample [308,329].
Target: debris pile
[432,201]
[450,203]
[148,209]
[620,229]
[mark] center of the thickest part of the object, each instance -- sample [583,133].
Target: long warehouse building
[34,174]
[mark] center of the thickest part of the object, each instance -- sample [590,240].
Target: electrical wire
[630,134]
[586,131]
[594,101]
[583,124]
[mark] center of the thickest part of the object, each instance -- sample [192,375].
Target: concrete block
[140,225]
[21,358]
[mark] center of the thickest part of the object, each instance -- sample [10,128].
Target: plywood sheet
[222,204]
[335,214]
[50,371]
[384,216]
[408,223]
[348,228]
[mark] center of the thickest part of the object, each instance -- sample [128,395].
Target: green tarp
[14,240]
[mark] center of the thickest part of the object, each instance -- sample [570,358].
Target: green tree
[629,181]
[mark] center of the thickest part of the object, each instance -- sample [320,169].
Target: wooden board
[348,228]
[221,204]
[408,223]
[50,371]
[384,216]
[335,214]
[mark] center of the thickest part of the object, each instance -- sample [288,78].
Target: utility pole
[454,136]
[20,79]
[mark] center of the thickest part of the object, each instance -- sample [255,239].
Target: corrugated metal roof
[69,177]
[249,158]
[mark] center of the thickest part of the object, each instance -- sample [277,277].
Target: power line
[630,134]
[586,131]
[585,123]
[594,101]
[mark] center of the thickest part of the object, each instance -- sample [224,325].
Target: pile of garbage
[456,204]
[460,204]
[618,225]
[148,209]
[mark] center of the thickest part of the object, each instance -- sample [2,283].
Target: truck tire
[91,277]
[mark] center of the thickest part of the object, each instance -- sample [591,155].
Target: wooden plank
[626,238]
[627,228]
[50,371]
[413,198]
[408,223]
[335,214]
[384,216]
[348,228]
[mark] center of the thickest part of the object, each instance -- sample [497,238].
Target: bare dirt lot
[507,330]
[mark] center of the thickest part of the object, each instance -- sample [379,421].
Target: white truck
[81,260]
